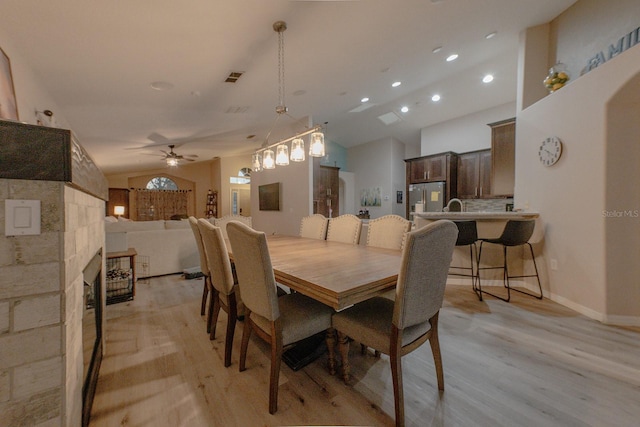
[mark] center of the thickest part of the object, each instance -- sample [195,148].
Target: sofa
[163,247]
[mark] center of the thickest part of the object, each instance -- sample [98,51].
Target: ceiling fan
[172,158]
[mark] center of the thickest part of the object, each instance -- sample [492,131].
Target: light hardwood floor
[524,363]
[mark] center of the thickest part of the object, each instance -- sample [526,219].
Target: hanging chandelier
[266,157]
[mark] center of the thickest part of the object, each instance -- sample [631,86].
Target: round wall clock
[550,150]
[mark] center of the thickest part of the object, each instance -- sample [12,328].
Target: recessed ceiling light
[365,99]
[452,57]
[404,109]
[159,85]
[436,49]
[396,84]
[488,78]
[435,98]
[491,35]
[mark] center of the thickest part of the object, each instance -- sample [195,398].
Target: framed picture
[8,105]
[399,197]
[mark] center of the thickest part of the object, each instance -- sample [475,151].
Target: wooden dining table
[336,274]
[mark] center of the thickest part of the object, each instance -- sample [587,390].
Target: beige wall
[597,255]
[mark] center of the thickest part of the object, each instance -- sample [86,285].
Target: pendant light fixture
[265,158]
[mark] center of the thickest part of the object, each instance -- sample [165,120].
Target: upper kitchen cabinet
[474,175]
[503,159]
[430,168]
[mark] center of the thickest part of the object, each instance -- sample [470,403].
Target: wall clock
[550,150]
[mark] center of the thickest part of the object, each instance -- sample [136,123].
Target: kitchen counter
[478,216]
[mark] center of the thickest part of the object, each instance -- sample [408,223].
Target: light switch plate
[21,217]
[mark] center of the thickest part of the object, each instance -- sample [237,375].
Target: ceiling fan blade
[191,155]
[159,139]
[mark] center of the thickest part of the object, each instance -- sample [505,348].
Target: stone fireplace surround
[41,290]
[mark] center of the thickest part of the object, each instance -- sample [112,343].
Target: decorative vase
[557,77]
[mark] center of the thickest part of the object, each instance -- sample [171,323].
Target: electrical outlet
[554,264]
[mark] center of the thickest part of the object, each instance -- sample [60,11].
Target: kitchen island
[490,224]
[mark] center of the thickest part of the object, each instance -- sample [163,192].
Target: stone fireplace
[41,276]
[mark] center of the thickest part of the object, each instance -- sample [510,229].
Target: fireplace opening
[91,332]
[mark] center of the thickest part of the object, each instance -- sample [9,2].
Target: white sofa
[168,246]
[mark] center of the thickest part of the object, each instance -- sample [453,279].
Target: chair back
[423,273]
[344,228]
[217,257]
[467,232]
[222,222]
[517,232]
[204,267]
[254,270]
[387,232]
[314,227]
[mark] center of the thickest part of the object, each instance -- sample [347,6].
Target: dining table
[334,273]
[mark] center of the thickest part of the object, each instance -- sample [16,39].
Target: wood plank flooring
[524,363]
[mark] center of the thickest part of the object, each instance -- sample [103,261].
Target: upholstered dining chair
[345,228]
[204,267]
[314,227]
[279,321]
[387,232]
[399,327]
[224,293]
[223,221]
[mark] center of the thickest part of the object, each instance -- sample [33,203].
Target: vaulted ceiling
[99,60]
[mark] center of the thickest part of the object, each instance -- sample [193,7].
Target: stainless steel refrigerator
[427,197]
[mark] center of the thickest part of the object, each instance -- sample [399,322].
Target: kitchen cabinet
[503,161]
[474,175]
[326,185]
[441,167]
[429,169]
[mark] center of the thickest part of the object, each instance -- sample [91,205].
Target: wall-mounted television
[269,197]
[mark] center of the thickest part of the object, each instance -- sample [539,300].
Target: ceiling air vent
[389,118]
[233,76]
[237,109]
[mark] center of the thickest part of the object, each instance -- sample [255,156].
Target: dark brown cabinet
[474,175]
[438,167]
[503,146]
[429,169]
[326,186]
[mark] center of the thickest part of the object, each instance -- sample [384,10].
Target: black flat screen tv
[269,197]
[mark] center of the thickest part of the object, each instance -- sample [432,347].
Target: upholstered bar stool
[515,233]
[467,236]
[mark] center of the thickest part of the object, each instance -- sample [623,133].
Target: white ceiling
[98,60]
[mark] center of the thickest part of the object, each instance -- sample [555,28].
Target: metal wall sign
[625,42]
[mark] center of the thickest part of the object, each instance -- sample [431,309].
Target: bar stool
[515,233]
[467,236]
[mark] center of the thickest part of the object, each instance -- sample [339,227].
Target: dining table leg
[331,349]
[343,348]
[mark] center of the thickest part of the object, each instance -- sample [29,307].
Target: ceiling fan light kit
[265,158]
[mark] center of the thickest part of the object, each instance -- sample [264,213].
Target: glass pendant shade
[256,162]
[282,155]
[268,160]
[316,146]
[297,150]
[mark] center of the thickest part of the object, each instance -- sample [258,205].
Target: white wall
[467,133]
[30,94]
[378,164]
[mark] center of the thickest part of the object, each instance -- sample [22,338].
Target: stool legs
[506,276]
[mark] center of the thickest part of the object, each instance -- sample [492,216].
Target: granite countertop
[477,215]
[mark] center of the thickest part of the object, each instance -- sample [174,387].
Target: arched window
[161,183]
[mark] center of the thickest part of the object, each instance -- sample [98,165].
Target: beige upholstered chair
[398,327]
[314,227]
[344,228]
[224,294]
[193,222]
[387,232]
[223,221]
[278,321]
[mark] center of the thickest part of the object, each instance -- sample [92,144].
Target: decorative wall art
[371,197]
[8,105]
